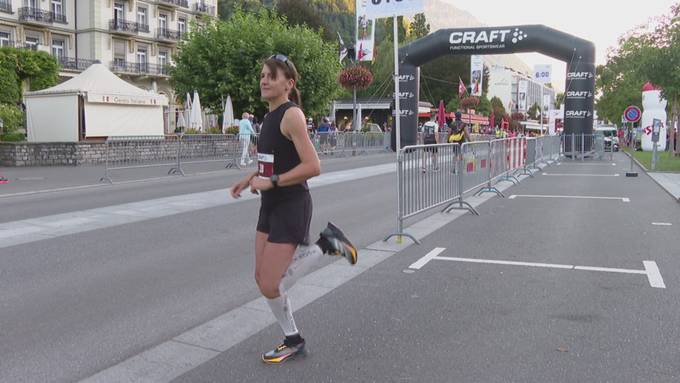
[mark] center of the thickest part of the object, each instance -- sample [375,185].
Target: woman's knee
[270,290]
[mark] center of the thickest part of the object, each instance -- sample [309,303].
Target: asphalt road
[77,304]
[459,321]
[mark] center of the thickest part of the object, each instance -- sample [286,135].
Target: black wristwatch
[275,180]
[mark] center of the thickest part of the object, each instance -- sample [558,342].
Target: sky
[600,21]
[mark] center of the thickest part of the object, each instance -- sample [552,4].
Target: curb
[644,169]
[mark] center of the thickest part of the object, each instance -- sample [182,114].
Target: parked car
[611,140]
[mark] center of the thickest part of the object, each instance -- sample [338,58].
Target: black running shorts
[287,220]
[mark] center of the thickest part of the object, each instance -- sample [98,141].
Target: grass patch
[665,161]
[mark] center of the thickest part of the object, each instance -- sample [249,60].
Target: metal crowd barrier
[429,176]
[176,152]
[583,146]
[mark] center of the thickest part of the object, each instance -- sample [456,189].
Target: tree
[299,13]
[226,58]
[419,26]
[226,8]
[559,100]
[498,110]
[533,112]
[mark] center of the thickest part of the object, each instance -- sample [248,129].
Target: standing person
[430,137]
[286,160]
[245,131]
[458,133]
[323,131]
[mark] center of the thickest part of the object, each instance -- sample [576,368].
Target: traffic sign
[632,114]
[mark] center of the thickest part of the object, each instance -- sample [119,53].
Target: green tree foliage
[534,112]
[419,26]
[226,58]
[39,69]
[647,53]
[299,13]
[13,119]
[498,110]
[559,99]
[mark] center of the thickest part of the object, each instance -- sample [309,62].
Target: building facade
[517,91]
[136,39]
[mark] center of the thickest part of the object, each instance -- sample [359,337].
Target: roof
[99,79]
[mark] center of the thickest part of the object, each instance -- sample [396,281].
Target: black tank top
[276,154]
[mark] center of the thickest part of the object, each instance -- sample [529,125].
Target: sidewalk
[670,182]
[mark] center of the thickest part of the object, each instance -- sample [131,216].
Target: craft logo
[485,39]
[579,94]
[578,114]
[406,77]
[404,113]
[579,75]
[405,95]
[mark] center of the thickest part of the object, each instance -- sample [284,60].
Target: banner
[546,102]
[476,75]
[366,41]
[387,8]
[543,73]
[522,88]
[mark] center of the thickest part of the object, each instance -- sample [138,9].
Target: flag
[343,48]
[461,88]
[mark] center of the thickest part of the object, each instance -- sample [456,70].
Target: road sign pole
[631,151]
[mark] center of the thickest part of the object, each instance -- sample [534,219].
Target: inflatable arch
[579,55]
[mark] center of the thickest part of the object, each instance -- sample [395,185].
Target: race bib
[265,165]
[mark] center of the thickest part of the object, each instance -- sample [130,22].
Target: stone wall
[120,152]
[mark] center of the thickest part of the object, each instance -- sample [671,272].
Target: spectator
[245,132]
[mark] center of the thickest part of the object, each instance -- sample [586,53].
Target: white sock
[283,312]
[304,258]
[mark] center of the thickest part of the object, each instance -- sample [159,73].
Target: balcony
[74,64]
[37,15]
[205,8]
[168,34]
[6,6]
[176,3]
[140,68]
[127,27]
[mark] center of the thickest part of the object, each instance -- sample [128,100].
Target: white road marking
[651,269]
[622,199]
[654,275]
[427,258]
[53,226]
[580,175]
[662,224]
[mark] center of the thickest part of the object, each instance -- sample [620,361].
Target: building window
[57,7]
[163,21]
[58,48]
[141,16]
[162,58]
[119,53]
[31,3]
[5,39]
[118,12]
[142,59]
[32,43]
[181,25]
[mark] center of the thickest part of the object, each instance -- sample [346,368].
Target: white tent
[96,103]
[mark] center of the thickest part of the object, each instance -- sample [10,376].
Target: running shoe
[339,243]
[283,352]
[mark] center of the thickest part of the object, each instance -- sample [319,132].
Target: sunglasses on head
[280,58]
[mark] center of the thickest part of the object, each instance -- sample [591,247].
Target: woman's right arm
[241,185]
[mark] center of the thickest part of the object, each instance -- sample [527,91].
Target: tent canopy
[100,80]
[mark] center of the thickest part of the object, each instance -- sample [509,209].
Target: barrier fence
[173,153]
[431,176]
[583,146]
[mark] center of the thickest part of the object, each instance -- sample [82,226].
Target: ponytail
[294,96]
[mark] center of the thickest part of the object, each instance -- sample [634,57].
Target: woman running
[286,160]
